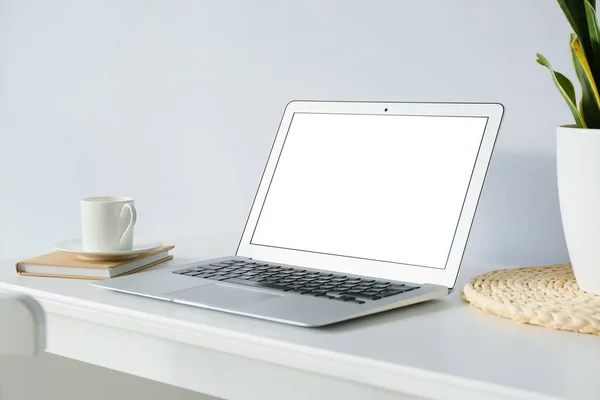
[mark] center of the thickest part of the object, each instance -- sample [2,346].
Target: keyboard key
[346,286]
[370,293]
[356,301]
[181,271]
[354,292]
[200,272]
[382,285]
[367,296]
[388,293]
[217,277]
[206,276]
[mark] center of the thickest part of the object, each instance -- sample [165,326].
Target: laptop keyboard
[287,279]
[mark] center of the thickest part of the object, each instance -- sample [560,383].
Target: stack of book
[60,264]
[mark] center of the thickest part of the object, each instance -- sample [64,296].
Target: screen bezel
[379,269]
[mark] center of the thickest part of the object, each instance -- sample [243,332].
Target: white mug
[107,223]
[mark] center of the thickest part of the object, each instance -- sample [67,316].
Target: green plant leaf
[590,99]
[576,13]
[593,28]
[566,89]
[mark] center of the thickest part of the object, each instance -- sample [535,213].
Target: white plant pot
[578,174]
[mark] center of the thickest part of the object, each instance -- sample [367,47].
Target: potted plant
[578,145]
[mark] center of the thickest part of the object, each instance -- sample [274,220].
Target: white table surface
[439,349]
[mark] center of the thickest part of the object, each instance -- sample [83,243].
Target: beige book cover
[68,265]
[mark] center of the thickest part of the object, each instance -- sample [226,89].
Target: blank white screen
[380,187]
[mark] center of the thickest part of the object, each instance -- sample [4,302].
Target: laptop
[363,207]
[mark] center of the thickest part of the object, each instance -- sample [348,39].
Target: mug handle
[132,220]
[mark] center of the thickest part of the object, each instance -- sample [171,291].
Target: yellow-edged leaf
[590,99]
[566,89]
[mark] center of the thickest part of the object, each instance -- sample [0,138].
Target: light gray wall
[177,102]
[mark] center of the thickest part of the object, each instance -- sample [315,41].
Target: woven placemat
[546,296]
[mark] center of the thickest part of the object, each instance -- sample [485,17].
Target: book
[60,264]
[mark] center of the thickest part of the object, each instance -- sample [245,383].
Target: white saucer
[76,247]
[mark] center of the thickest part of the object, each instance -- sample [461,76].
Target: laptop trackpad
[221,296]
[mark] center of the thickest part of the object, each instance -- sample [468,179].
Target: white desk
[440,349]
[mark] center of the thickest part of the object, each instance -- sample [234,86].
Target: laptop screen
[342,179]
